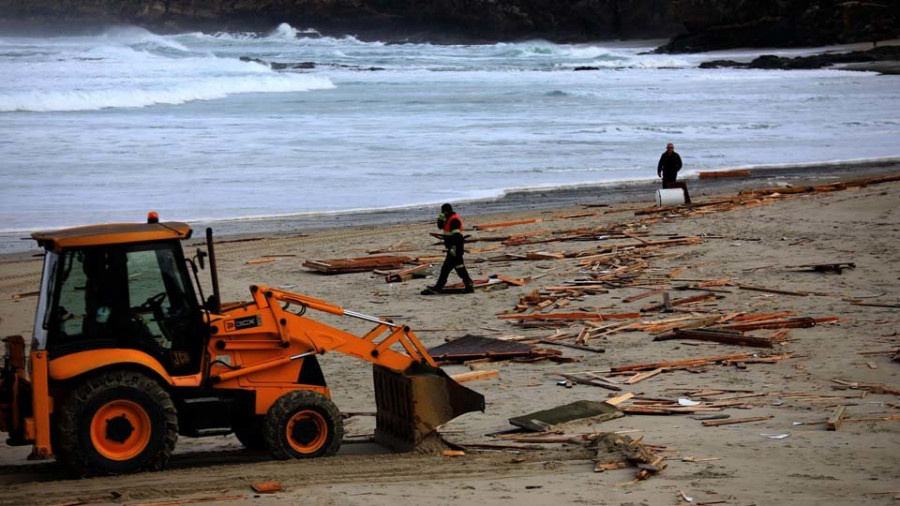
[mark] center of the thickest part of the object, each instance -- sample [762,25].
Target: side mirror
[201,255]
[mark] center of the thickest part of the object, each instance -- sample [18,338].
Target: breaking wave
[204,89]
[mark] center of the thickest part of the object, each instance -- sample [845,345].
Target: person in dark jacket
[668,167]
[451,227]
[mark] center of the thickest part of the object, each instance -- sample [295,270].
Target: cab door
[136,296]
[163,310]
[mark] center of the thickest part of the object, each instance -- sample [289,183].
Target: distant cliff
[696,24]
[439,20]
[715,24]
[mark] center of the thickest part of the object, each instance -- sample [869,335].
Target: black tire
[303,424]
[251,434]
[116,423]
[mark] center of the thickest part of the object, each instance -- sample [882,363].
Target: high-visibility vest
[447,230]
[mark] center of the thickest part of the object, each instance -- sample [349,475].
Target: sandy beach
[749,252]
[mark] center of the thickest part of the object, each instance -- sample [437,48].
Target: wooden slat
[732,421]
[506,224]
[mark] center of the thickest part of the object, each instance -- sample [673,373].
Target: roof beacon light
[152,217]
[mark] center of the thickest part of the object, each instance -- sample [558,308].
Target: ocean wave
[202,89]
[283,33]
[141,39]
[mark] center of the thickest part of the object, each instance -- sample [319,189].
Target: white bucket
[669,197]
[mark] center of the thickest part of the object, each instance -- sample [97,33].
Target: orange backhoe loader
[127,354]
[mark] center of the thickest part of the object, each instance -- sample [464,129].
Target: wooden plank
[643,295]
[637,378]
[709,335]
[757,288]
[511,281]
[732,421]
[679,302]
[573,346]
[475,375]
[502,224]
[793,323]
[260,261]
[723,173]
[681,363]
[193,501]
[834,421]
[593,381]
[615,401]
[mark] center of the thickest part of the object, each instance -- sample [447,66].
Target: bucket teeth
[413,404]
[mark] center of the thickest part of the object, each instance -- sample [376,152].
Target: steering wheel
[153,303]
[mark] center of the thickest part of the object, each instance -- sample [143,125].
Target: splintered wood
[614,450]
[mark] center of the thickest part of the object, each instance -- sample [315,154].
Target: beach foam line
[773,167]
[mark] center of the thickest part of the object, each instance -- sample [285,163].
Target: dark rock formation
[719,24]
[703,24]
[392,20]
[768,61]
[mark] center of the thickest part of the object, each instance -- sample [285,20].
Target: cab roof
[113,233]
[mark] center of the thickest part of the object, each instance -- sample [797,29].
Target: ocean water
[104,128]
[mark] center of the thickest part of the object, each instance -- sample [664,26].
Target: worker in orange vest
[452,227]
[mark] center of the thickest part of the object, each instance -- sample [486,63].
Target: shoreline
[638,192]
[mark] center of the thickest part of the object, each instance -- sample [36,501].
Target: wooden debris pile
[616,451]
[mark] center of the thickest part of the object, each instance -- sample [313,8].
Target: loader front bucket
[414,403]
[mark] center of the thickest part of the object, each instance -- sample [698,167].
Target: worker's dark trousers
[453,262]
[673,184]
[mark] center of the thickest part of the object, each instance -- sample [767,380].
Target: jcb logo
[246,322]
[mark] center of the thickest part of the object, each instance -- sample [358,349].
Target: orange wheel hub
[307,431]
[120,430]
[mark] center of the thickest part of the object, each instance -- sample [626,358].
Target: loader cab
[120,287]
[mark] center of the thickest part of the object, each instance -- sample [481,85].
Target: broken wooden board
[834,421]
[475,375]
[406,274]
[361,264]
[540,420]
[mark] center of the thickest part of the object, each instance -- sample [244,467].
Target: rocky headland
[884,59]
[693,25]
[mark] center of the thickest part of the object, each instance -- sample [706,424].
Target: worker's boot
[470,287]
[431,290]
